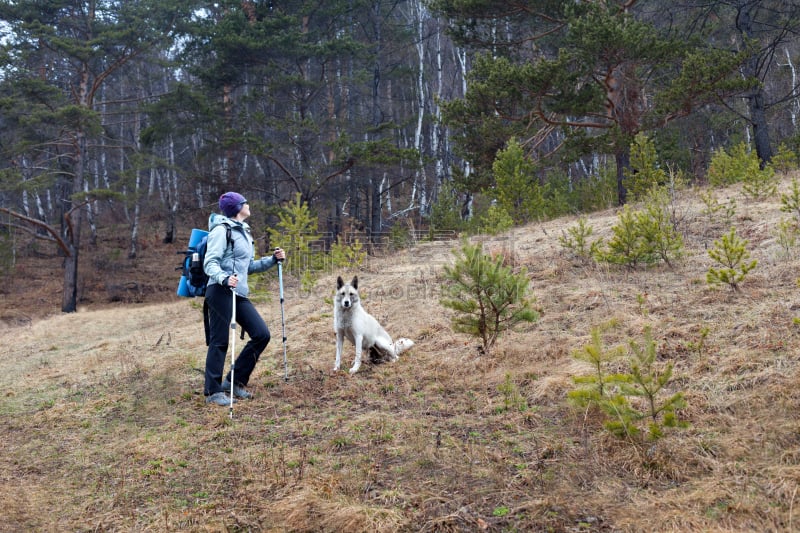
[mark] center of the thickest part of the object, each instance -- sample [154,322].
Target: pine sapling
[726,169]
[658,231]
[344,255]
[699,345]
[627,246]
[790,202]
[712,205]
[760,183]
[296,229]
[594,387]
[648,382]
[486,295]
[512,399]
[786,233]
[577,240]
[730,254]
[644,173]
[785,160]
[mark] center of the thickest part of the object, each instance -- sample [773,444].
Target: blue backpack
[193,277]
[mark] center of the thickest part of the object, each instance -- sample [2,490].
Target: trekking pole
[233,344]
[283,322]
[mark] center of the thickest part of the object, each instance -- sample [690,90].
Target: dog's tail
[402,345]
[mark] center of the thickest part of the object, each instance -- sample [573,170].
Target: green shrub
[487,296]
[760,184]
[576,239]
[647,381]
[517,190]
[634,400]
[350,256]
[295,231]
[727,169]
[496,220]
[730,254]
[790,202]
[644,173]
[591,193]
[785,160]
[8,252]
[594,388]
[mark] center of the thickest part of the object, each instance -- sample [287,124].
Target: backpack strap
[228,237]
[229,242]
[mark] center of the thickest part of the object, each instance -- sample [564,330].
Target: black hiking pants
[219,300]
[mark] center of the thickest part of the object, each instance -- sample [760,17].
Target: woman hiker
[227,266]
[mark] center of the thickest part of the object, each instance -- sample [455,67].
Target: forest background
[656,391]
[384,116]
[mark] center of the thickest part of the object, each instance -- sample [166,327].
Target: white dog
[352,321]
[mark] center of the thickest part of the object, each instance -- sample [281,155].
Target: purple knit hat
[231,203]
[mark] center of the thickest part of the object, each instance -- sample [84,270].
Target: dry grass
[106,428]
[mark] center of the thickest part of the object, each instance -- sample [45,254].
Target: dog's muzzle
[346,303]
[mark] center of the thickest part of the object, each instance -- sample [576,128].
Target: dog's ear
[339,282]
[355,282]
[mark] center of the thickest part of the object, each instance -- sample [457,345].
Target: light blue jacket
[223,260]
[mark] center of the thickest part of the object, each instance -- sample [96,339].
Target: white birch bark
[436,148]
[420,178]
[795,105]
[134,245]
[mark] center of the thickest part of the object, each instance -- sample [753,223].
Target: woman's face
[244,212]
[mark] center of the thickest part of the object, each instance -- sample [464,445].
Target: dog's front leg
[357,363]
[339,343]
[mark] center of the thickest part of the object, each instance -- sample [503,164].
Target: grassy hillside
[106,428]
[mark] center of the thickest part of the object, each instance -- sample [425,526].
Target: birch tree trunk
[420,178]
[172,193]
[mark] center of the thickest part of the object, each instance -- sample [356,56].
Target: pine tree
[62,54]
[516,190]
[731,254]
[655,225]
[595,386]
[296,229]
[648,382]
[790,202]
[487,296]
[644,173]
[577,238]
[627,245]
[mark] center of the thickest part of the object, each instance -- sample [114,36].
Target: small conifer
[731,254]
[626,246]
[644,173]
[790,202]
[486,295]
[296,228]
[594,386]
[577,239]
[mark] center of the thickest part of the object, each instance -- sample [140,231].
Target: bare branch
[47,227]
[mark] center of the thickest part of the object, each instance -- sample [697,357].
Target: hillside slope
[106,428]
